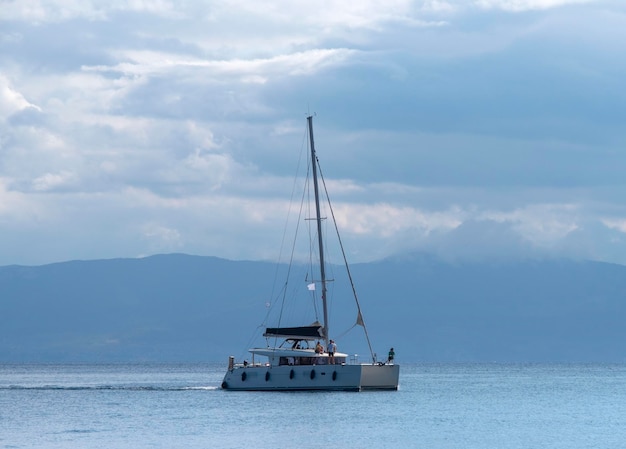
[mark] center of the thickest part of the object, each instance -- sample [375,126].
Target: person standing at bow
[390,357]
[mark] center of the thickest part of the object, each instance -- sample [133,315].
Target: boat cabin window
[297,344]
[296,361]
[309,360]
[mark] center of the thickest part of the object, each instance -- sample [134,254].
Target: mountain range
[178,307]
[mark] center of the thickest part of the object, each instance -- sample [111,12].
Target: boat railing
[245,364]
[304,361]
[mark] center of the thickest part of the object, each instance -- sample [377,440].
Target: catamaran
[298,363]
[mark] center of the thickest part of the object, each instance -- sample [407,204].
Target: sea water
[437,406]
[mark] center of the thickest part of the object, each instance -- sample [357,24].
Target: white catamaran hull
[322,377]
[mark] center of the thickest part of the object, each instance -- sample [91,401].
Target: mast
[318,218]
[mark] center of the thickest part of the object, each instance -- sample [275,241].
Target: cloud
[51,181]
[12,101]
[255,71]
[460,128]
[526,5]
[42,11]
[161,239]
[539,224]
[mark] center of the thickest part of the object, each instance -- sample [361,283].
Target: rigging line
[304,201]
[339,337]
[243,352]
[345,260]
[293,244]
[283,290]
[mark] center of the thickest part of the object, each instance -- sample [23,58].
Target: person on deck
[332,348]
[390,357]
[319,349]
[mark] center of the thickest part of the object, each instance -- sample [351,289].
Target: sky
[469,129]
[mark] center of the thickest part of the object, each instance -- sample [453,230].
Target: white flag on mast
[311,286]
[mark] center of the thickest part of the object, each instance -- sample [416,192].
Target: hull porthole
[334,375]
[312,374]
[267,376]
[291,374]
[243,376]
[224,386]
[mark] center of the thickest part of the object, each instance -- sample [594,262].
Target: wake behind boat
[300,361]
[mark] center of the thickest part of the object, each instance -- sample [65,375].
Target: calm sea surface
[437,406]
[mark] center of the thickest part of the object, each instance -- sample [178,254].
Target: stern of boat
[380,377]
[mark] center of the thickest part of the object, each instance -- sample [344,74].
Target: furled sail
[313,332]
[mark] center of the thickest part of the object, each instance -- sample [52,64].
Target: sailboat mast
[320,242]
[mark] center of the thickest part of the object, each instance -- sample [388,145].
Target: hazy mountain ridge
[190,308]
